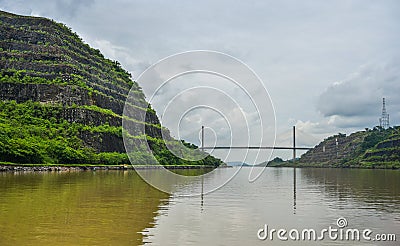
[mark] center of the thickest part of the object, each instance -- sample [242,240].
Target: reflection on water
[119,208]
[78,208]
[282,198]
[294,190]
[377,190]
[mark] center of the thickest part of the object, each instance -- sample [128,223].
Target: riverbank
[364,165]
[12,167]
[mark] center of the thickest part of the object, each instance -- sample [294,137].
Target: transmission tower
[384,120]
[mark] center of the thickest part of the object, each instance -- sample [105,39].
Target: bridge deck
[256,147]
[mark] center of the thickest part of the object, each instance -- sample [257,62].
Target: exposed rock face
[102,142]
[59,85]
[370,148]
[334,149]
[48,93]
[65,95]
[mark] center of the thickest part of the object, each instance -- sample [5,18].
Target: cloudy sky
[325,64]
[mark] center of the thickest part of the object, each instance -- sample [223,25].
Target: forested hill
[372,148]
[61,101]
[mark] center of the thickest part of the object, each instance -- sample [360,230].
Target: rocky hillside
[62,101]
[372,148]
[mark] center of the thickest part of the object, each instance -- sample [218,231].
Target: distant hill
[277,161]
[62,101]
[272,163]
[371,148]
[237,164]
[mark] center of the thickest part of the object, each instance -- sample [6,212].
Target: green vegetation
[33,133]
[372,148]
[276,162]
[78,119]
[380,148]
[164,156]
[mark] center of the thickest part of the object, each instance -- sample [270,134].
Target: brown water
[118,208]
[78,208]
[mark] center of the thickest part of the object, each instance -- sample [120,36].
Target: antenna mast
[384,120]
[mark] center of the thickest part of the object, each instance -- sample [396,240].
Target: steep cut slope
[374,148]
[62,101]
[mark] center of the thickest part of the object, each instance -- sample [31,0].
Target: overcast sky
[325,64]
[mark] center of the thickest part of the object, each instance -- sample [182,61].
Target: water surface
[119,208]
[77,208]
[308,198]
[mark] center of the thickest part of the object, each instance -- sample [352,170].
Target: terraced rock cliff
[62,101]
[372,148]
[334,149]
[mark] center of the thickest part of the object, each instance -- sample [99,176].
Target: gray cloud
[356,101]
[59,9]
[298,48]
